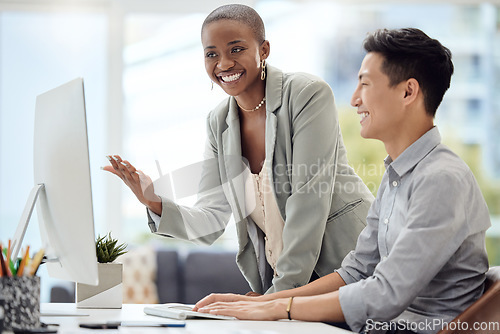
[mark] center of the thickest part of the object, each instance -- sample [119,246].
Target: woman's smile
[230,77]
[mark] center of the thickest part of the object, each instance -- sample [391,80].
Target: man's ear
[412,91]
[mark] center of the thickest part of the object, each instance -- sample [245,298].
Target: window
[39,51]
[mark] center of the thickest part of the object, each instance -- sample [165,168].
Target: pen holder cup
[2,313]
[21,302]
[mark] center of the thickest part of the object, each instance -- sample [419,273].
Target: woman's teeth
[230,78]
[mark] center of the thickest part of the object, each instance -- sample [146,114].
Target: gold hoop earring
[263,72]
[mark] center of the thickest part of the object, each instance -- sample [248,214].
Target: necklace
[254,109]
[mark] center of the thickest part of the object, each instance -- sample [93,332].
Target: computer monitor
[62,185]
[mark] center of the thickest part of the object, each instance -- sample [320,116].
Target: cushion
[139,276]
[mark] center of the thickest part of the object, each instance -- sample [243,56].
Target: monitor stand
[61,310]
[25,219]
[18,240]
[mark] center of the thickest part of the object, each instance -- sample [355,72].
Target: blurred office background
[147,93]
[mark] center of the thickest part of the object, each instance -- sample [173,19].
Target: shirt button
[386,221]
[394,183]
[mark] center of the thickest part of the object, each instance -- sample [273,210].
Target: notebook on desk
[181,312]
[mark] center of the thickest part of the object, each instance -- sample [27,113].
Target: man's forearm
[329,283]
[325,307]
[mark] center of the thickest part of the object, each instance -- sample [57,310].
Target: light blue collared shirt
[421,259]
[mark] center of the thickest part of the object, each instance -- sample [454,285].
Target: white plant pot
[108,293]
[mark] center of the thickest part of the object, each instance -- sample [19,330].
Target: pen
[35,263]
[152,324]
[10,263]
[116,324]
[3,265]
[1,254]
[9,249]
[108,325]
[14,266]
[23,262]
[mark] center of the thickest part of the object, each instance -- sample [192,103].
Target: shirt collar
[415,152]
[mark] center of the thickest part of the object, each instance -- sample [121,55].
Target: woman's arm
[323,285]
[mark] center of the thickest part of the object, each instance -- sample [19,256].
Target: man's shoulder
[442,163]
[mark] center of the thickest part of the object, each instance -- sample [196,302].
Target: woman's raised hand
[140,184]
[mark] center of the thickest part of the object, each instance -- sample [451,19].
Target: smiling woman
[235,59]
[275,160]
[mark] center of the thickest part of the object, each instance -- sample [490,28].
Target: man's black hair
[410,53]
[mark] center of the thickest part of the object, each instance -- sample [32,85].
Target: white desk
[133,312]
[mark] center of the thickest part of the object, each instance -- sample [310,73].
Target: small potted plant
[109,292]
[107,249]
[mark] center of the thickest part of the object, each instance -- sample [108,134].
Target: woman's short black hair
[240,13]
[410,53]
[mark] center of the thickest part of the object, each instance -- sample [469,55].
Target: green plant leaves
[107,248]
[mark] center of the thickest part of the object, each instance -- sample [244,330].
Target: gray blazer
[322,201]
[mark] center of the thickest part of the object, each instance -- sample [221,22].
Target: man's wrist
[289,308]
[281,308]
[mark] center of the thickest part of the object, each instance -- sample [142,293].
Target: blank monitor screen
[61,163]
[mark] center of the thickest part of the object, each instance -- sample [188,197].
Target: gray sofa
[184,279]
